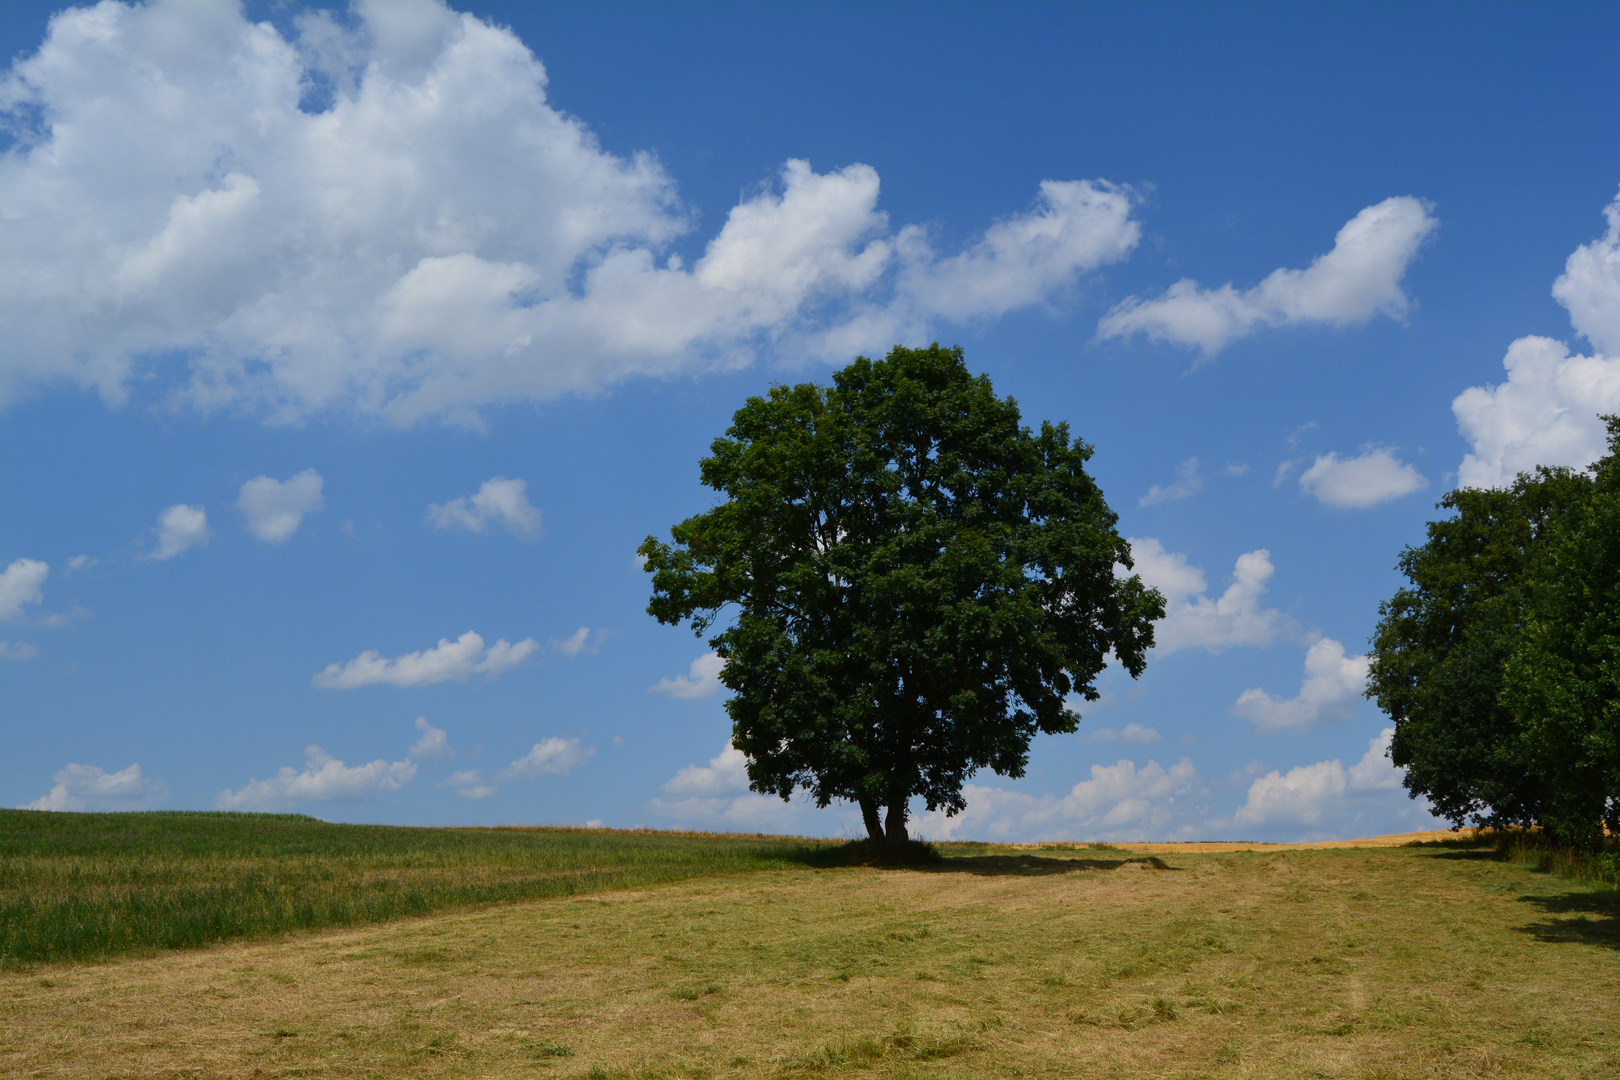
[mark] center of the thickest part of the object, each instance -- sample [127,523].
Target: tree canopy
[1500,664]
[906,583]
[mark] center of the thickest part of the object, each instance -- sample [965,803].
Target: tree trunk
[874,826]
[894,831]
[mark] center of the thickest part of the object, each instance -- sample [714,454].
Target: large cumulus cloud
[1546,412]
[391,218]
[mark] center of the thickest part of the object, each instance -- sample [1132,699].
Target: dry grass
[1435,961]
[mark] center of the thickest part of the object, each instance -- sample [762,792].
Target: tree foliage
[1500,664]
[912,584]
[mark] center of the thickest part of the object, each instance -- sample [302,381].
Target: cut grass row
[85,886]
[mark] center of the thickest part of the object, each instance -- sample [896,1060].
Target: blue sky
[346,357]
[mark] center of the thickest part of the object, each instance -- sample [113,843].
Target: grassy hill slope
[81,886]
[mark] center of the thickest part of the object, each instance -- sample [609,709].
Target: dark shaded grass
[1530,849]
[85,886]
[866,853]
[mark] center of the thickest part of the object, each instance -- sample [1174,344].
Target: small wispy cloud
[456,661]
[1130,733]
[1189,481]
[580,643]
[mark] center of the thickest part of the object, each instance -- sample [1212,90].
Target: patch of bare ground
[1378,962]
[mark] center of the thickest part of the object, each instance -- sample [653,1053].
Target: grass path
[1434,961]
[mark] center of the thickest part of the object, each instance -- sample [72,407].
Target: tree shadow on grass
[1034,865]
[1469,848]
[1593,918]
[924,857]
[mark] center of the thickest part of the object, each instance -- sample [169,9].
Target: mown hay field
[1441,960]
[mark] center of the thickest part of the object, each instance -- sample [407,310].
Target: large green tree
[904,582]
[1500,663]
[1562,683]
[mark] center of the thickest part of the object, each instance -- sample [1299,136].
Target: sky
[346,356]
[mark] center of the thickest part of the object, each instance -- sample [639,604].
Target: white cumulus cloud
[726,774]
[1546,413]
[1589,287]
[1192,619]
[549,757]
[433,743]
[179,527]
[1326,799]
[1117,802]
[702,679]
[716,796]
[1300,797]
[1375,772]
[323,779]
[1330,693]
[457,660]
[1359,278]
[18,650]
[22,583]
[275,508]
[1371,477]
[500,502]
[1076,225]
[87,787]
[394,220]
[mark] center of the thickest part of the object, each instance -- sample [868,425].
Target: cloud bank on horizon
[437,237]
[91,788]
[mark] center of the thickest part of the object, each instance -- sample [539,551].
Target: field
[1439,960]
[81,886]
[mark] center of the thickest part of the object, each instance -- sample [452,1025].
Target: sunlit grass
[82,886]
[1439,961]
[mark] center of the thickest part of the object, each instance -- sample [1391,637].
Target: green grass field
[82,886]
[637,956]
